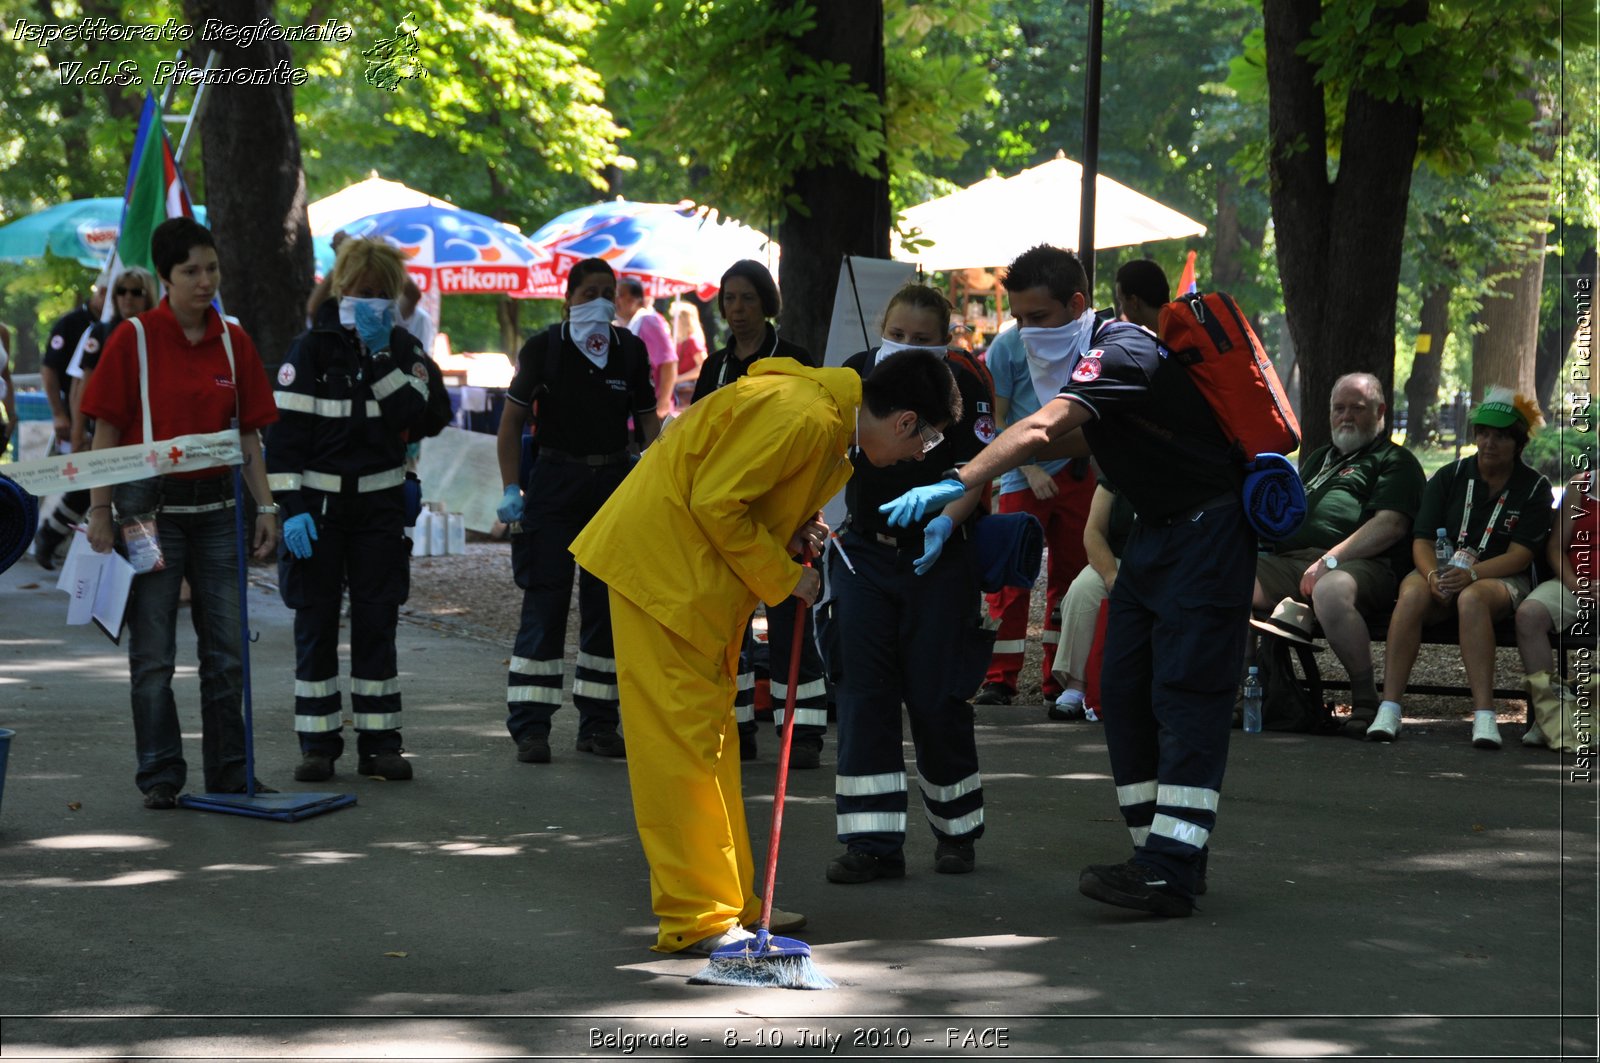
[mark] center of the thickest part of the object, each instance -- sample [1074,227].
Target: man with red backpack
[1186,578]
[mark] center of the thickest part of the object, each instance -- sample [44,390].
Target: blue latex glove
[934,536]
[510,510]
[908,508]
[374,326]
[299,532]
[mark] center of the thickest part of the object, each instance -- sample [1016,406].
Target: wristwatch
[1331,561]
[267,507]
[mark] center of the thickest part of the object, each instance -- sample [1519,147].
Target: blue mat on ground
[285,808]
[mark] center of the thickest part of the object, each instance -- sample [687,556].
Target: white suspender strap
[144,378]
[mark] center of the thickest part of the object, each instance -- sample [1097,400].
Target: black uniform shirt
[870,486]
[721,367]
[64,337]
[584,409]
[1152,431]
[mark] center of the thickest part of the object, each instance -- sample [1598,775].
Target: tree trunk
[508,312]
[1422,389]
[1339,241]
[1504,353]
[846,213]
[255,188]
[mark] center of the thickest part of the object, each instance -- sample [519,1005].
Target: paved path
[1417,899]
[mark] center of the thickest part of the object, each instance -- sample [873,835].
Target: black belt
[912,541]
[1227,498]
[616,458]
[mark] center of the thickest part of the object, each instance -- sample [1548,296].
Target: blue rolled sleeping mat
[19,519]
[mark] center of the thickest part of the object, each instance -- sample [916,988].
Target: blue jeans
[203,548]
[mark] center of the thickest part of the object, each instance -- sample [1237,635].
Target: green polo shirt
[1343,491]
[1525,518]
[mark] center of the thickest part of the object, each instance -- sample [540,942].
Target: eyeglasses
[931,436]
[130,291]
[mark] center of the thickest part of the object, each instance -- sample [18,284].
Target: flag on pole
[1186,284]
[154,192]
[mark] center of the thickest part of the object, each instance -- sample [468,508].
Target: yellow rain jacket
[699,529]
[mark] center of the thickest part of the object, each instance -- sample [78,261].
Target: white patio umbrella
[995,220]
[374,195]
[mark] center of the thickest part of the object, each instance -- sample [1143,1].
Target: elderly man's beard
[1352,438]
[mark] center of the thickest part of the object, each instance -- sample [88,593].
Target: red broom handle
[770,883]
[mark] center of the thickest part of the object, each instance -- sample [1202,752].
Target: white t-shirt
[420,325]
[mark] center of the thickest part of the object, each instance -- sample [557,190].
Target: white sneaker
[1533,736]
[706,946]
[1386,726]
[1485,731]
[782,922]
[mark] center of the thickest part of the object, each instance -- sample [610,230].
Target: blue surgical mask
[348,304]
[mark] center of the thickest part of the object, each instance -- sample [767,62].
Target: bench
[1580,636]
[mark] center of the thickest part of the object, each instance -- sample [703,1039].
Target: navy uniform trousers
[560,498]
[811,691]
[360,544]
[901,640]
[1175,640]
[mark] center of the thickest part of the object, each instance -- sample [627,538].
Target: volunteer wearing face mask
[350,392]
[905,608]
[748,299]
[588,378]
[1028,369]
[1176,631]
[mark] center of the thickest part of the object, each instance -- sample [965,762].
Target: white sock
[1479,715]
[1395,705]
[1069,697]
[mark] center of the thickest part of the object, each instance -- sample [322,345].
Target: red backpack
[1207,334]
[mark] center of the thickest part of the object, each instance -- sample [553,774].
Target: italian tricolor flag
[155,189]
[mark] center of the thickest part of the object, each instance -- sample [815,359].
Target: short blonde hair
[144,280]
[358,257]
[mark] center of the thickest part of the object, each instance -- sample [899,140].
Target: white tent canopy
[997,219]
[371,196]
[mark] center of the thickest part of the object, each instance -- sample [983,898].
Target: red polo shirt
[192,390]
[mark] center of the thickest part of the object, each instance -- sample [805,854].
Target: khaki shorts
[1561,604]
[1376,587]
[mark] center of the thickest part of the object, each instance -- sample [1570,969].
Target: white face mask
[348,304]
[1052,352]
[886,347]
[590,327]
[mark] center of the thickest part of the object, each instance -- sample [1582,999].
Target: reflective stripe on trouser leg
[544,568]
[374,667]
[683,771]
[744,698]
[811,691]
[870,797]
[318,715]
[594,685]
[1138,804]
[1168,713]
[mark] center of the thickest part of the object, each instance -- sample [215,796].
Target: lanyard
[722,373]
[1335,462]
[1494,517]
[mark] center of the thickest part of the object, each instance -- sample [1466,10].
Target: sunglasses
[130,291]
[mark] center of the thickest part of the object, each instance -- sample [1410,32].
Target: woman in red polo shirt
[204,376]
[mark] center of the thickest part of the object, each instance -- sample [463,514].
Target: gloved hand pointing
[299,532]
[934,536]
[374,325]
[909,507]
[510,510]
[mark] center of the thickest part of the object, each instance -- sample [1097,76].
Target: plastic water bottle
[1442,548]
[1252,701]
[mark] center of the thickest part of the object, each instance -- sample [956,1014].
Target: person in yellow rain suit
[709,521]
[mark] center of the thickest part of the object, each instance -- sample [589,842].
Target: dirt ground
[472,594]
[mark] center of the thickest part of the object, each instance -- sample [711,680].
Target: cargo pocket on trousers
[977,647]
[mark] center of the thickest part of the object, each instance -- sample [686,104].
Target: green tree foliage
[726,106]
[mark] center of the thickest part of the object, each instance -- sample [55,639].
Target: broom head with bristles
[763,961]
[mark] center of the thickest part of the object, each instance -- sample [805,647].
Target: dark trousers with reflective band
[560,498]
[901,640]
[811,692]
[1175,640]
[361,545]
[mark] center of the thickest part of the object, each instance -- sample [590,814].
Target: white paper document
[96,585]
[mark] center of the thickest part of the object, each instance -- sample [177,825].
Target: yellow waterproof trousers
[683,766]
